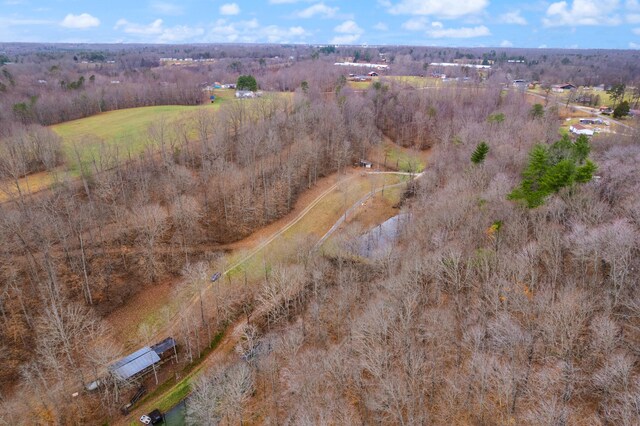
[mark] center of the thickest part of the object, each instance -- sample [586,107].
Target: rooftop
[134,363]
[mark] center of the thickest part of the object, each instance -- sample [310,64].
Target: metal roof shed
[165,345]
[134,363]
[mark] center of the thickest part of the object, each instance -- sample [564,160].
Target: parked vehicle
[153,418]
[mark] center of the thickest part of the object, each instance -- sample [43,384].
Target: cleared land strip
[360,202]
[262,245]
[232,336]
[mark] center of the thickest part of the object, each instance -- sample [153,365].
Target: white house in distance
[565,87]
[577,129]
[364,65]
[452,64]
[247,94]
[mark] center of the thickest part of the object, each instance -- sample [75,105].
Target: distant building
[520,84]
[453,64]
[363,65]
[245,94]
[591,121]
[577,129]
[565,87]
[143,361]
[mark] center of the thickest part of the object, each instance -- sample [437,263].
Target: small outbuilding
[564,87]
[166,348]
[577,129]
[134,364]
[245,94]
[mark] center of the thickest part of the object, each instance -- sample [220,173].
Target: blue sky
[564,24]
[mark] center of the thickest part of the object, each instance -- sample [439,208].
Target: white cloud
[512,18]
[345,39]
[179,33]
[632,14]
[283,1]
[636,31]
[251,31]
[633,45]
[82,21]
[320,9]
[8,22]
[506,43]
[158,33]
[437,30]
[230,9]
[275,34]
[416,24]
[349,32]
[348,27]
[542,46]
[167,8]
[441,8]
[381,26]
[582,12]
[132,28]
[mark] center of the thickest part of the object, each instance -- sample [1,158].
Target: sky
[473,23]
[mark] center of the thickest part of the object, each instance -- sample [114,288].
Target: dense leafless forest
[483,311]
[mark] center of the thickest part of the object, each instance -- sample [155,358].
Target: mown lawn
[414,80]
[126,131]
[398,158]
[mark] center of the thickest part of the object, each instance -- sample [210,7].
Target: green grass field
[406,80]
[414,81]
[126,130]
[398,158]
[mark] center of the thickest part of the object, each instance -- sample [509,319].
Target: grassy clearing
[414,81]
[120,134]
[395,157]
[126,130]
[28,185]
[359,85]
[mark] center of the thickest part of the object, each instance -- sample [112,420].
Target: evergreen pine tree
[480,153]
